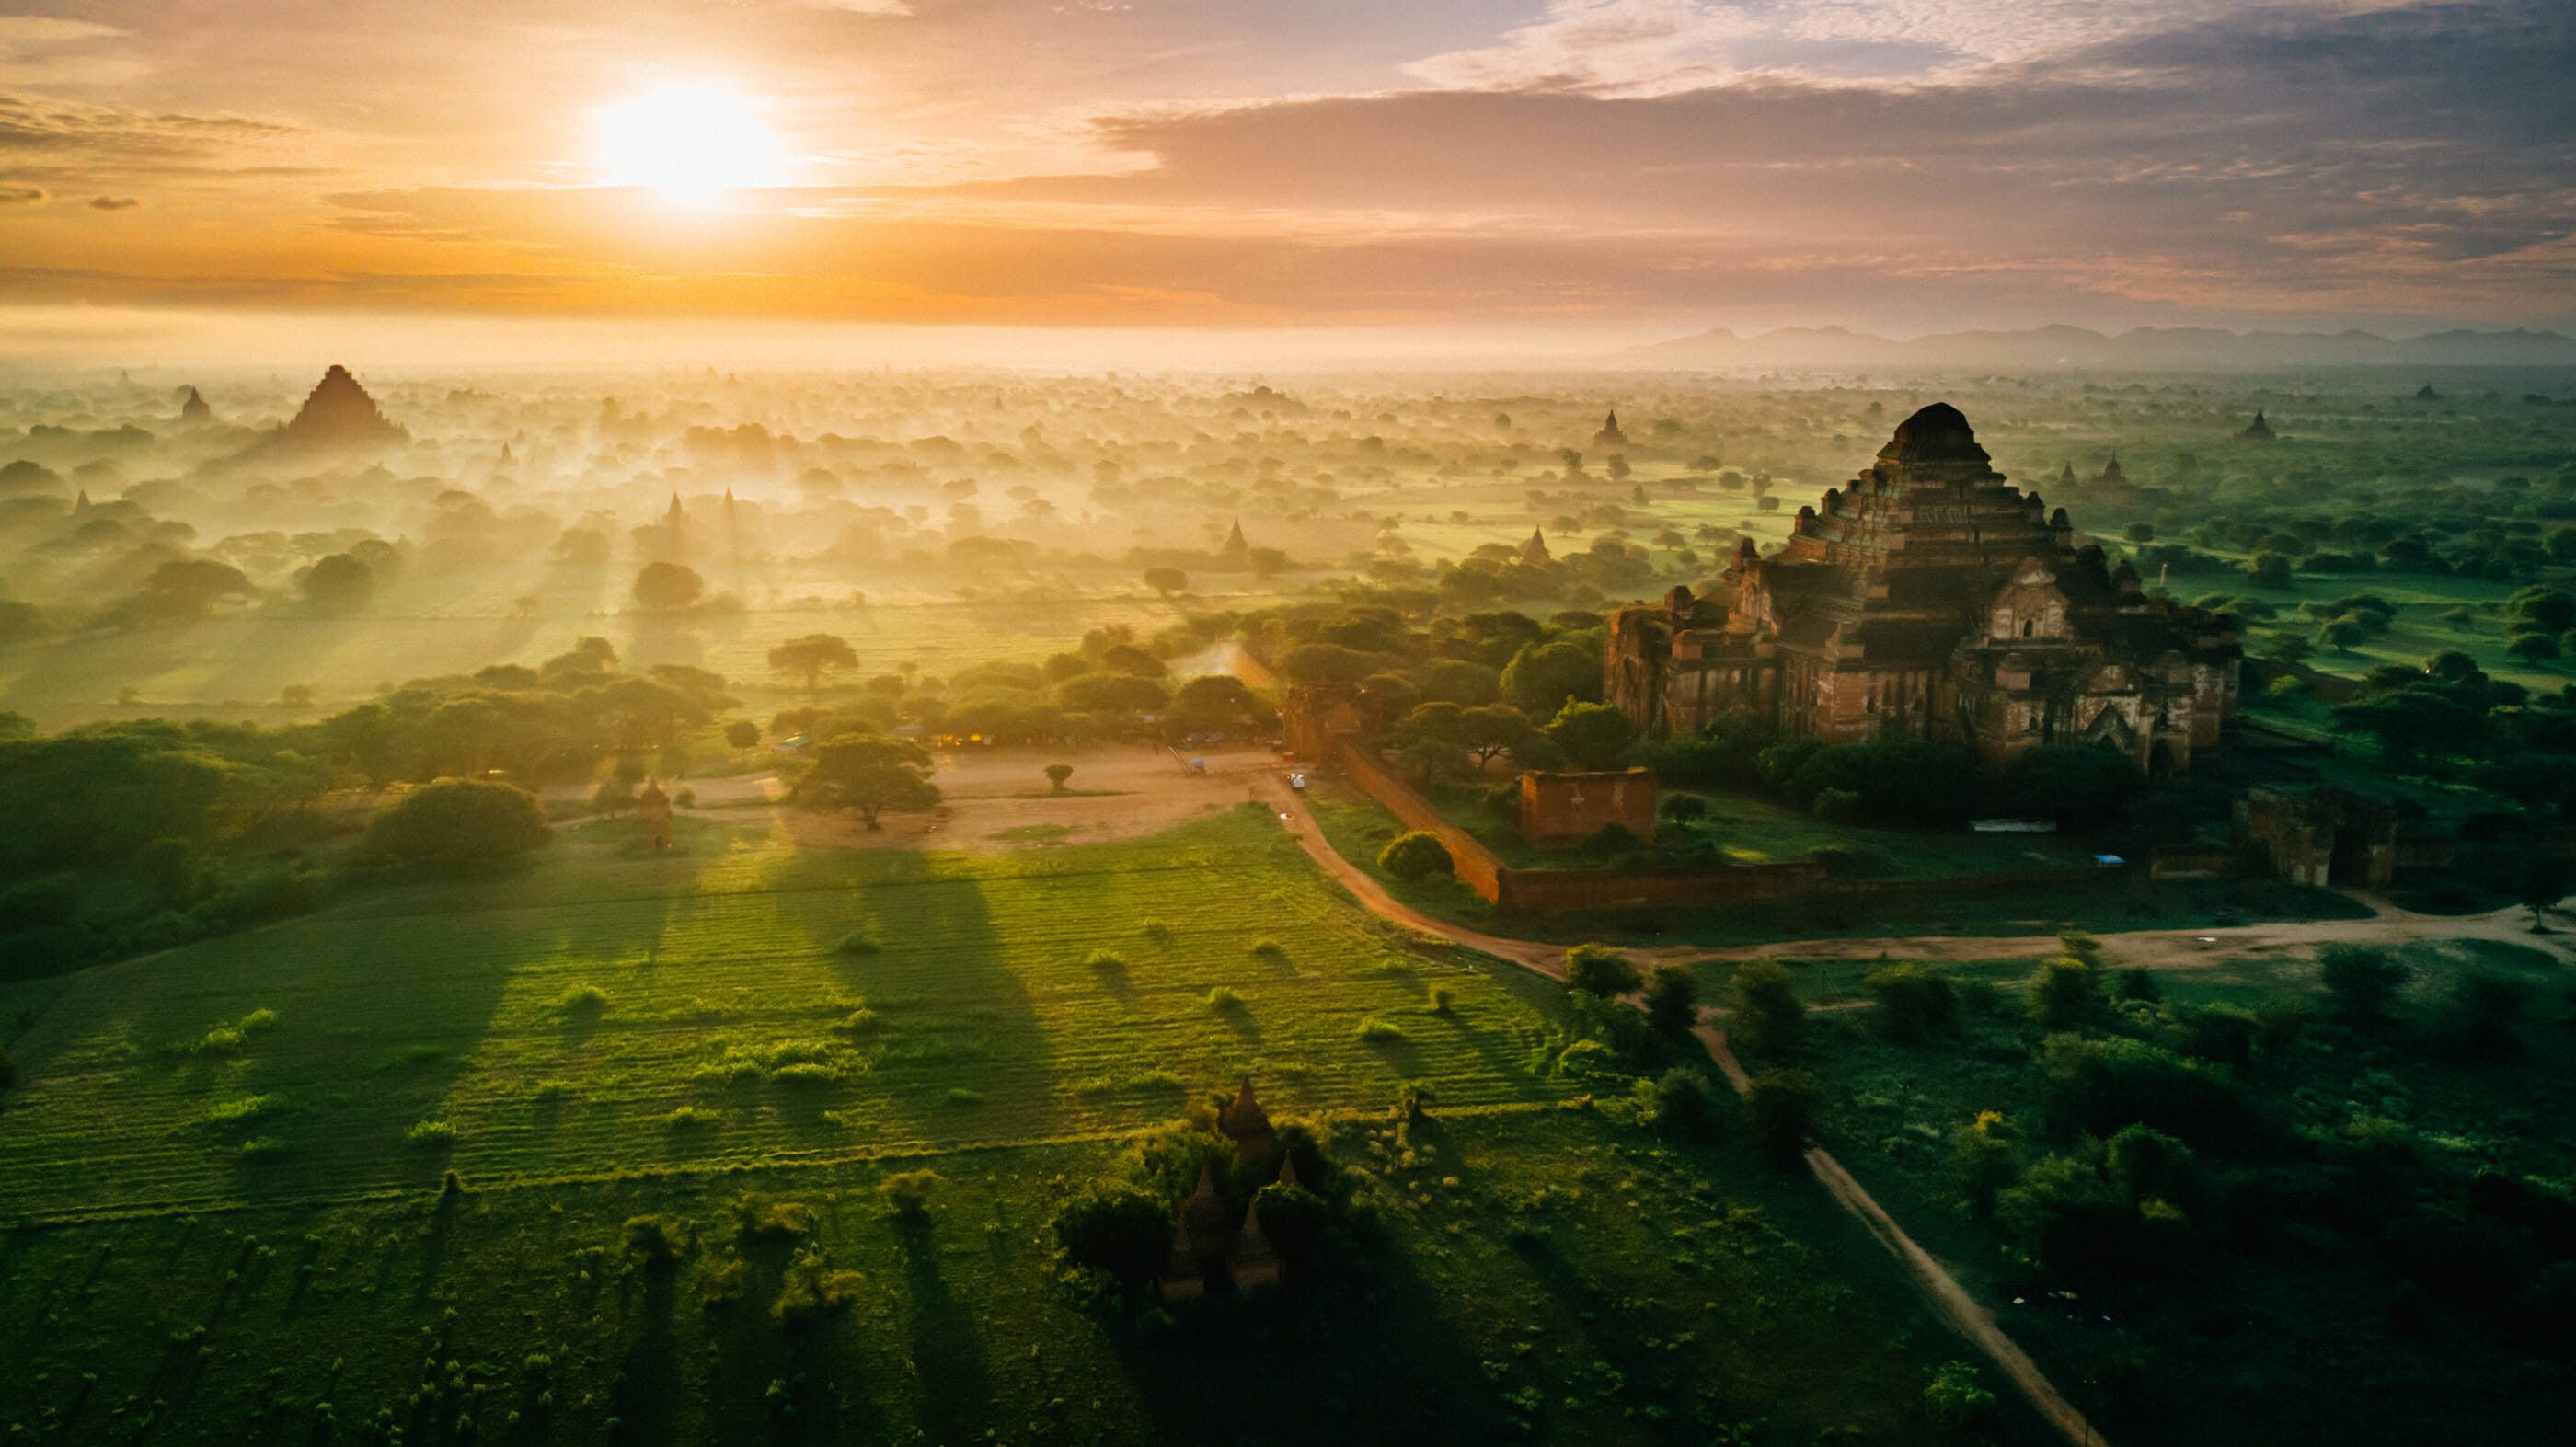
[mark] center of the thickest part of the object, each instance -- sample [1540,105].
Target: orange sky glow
[1568,168]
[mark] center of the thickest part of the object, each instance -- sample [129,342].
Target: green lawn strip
[2222,1348]
[594,1011]
[1543,1267]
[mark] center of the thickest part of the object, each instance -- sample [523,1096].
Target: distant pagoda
[339,413]
[1534,552]
[1236,555]
[193,409]
[1610,435]
[2257,432]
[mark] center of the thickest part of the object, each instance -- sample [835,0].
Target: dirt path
[2171,949]
[1946,1296]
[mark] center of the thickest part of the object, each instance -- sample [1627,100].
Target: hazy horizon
[1321,181]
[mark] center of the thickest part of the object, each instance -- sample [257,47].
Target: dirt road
[1939,1288]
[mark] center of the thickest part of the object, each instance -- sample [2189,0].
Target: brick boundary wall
[1483,870]
[1551,891]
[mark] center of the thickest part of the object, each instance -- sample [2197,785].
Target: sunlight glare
[693,143]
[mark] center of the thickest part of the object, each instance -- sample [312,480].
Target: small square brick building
[1559,811]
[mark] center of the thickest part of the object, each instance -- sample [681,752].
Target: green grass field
[556,1018]
[221,1201]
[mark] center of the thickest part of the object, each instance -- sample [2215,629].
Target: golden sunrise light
[1184,723]
[693,143]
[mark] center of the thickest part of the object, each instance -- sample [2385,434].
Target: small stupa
[2257,431]
[1236,555]
[193,409]
[653,810]
[1534,552]
[1610,435]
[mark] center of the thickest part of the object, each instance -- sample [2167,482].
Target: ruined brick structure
[1929,597]
[1563,810]
[1317,718]
[2325,836]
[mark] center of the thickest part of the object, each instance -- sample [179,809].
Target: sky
[1487,173]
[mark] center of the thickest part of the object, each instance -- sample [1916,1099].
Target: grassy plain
[221,1203]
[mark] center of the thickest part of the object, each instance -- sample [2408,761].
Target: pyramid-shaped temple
[339,413]
[1930,598]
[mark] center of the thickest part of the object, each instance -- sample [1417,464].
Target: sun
[693,143]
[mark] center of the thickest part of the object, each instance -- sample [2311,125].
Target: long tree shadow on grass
[1367,1357]
[953,1014]
[945,1339]
[646,1397]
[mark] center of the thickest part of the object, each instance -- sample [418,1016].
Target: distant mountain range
[2145,349]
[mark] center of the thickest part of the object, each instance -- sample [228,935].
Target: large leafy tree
[668,587]
[813,655]
[1593,735]
[868,776]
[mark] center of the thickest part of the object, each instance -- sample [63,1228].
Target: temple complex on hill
[1930,598]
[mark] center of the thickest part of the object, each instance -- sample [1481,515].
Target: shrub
[1988,1158]
[1118,1230]
[456,819]
[1056,774]
[1415,856]
[692,1117]
[907,1193]
[1157,931]
[1782,1106]
[1679,1103]
[1442,997]
[1269,949]
[582,997]
[1913,1002]
[655,1238]
[2064,1213]
[1373,1028]
[1600,970]
[760,1219]
[431,1133]
[2361,981]
[1224,997]
[809,1292]
[2098,1086]
[2062,993]
[2486,1007]
[1107,962]
[1672,999]
[1954,1399]
[1836,806]
[1683,808]
[1765,1015]
[2221,1033]
[858,942]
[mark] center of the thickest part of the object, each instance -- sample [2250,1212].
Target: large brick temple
[1930,597]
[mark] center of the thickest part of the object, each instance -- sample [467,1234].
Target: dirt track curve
[1938,1287]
